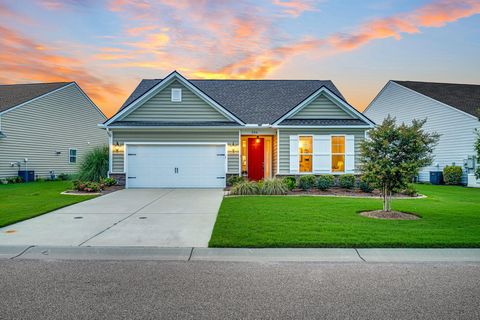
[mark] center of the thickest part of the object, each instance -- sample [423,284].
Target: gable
[321,108]
[161,108]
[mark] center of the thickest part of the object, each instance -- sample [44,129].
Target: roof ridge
[432,82]
[35,83]
[247,79]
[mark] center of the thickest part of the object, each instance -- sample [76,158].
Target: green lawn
[450,218]
[27,200]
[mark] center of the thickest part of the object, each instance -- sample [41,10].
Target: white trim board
[161,85]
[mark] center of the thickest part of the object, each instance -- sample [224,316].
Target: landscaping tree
[392,155]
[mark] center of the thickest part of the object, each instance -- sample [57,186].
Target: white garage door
[176,166]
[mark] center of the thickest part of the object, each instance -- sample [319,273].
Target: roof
[252,101]
[322,122]
[464,97]
[12,95]
[173,124]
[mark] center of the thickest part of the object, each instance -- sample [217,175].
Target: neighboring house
[175,132]
[46,127]
[452,110]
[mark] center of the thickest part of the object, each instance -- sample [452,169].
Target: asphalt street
[69,289]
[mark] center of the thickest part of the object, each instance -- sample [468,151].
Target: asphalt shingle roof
[465,97]
[253,101]
[322,122]
[173,124]
[12,95]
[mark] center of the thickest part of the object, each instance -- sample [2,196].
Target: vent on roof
[176,95]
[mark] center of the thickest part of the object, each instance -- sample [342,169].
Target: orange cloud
[139,30]
[294,7]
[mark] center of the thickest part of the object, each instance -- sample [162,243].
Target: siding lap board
[322,108]
[161,108]
[56,122]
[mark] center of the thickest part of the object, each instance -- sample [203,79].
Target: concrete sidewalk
[241,254]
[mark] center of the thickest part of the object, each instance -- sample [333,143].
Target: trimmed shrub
[95,165]
[245,188]
[307,182]
[452,175]
[274,186]
[16,179]
[233,180]
[290,182]
[325,182]
[365,186]
[347,181]
[410,191]
[63,176]
[109,182]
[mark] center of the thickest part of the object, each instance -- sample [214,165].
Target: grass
[23,201]
[450,218]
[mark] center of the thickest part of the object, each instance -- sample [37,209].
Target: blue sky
[108,46]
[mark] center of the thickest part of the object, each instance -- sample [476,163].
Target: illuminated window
[305,147]
[244,156]
[338,154]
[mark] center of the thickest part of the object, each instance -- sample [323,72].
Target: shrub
[109,182]
[347,181]
[63,176]
[452,174]
[365,185]
[245,188]
[307,182]
[274,187]
[325,182]
[95,165]
[233,180]
[290,182]
[16,179]
[40,179]
[3,181]
[87,186]
[410,191]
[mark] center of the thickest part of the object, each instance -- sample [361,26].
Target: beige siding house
[175,132]
[46,128]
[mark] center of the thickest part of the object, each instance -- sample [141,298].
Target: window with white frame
[72,155]
[338,153]
[305,153]
[176,95]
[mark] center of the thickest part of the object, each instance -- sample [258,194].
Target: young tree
[392,155]
[477,148]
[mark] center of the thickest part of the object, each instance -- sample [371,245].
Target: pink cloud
[295,7]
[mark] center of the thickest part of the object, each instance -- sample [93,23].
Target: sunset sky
[109,46]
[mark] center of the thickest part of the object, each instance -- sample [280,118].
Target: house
[46,128]
[452,110]
[175,132]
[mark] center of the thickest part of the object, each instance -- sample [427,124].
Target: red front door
[256,157]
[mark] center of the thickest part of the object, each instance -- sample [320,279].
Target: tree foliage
[392,155]
[477,148]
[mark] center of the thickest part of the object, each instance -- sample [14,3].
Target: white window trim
[70,156]
[299,154]
[175,91]
[344,153]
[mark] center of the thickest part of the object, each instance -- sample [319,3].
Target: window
[72,155]
[176,95]
[305,147]
[338,154]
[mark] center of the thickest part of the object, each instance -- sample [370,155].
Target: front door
[256,157]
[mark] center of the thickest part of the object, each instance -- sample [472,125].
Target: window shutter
[349,154]
[294,165]
[322,156]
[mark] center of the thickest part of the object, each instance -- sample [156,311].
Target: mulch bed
[390,215]
[105,191]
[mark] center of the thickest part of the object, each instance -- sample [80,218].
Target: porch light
[116,146]
[257,140]
[233,148]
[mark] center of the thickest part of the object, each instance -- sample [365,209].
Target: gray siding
[223,136]
[161,108]
[37,130]
[321,108]
[284,144]
[456,128]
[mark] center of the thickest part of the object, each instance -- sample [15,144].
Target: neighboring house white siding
[161,108]
[457,129]
[57,122]
[321,108]
[174,135]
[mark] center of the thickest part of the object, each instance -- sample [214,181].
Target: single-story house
[46,128]
[452,110]
[175,132]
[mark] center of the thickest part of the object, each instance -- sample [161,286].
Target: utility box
[27,176]
[436,177]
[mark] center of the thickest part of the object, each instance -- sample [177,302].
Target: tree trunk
[385,198]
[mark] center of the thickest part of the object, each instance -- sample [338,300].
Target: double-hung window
[305,152]
[338,153]
[72,155]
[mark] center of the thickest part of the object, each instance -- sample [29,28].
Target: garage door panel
[176,166]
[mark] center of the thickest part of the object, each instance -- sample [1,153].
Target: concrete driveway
[132,217]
